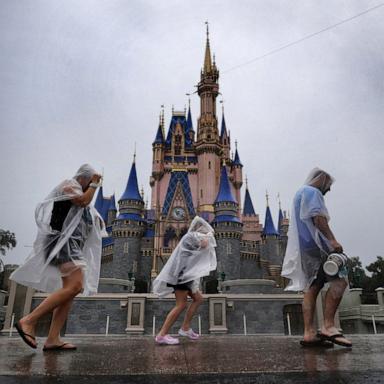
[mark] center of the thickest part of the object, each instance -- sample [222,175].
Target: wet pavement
[212,359]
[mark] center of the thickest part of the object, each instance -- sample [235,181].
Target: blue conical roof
[112,204]
[189,121]
[236,160]
[102,204]
[269,227]
[223,128]
[225,193]
[99,203]
[159,139]
[248,206]
[132,190]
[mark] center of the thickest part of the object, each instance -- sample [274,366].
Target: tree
[7,242]
[356,273]
[377,270]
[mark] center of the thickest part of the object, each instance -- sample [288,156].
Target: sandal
[60,347]
[25,336]
[333,338]
[316,343]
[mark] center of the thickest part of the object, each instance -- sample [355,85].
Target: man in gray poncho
[310,240]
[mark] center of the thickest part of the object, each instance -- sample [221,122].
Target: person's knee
[337,288]
[76,287]
[198,298]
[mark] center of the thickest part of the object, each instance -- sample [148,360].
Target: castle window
[201,193]
[209,165]
[126,248]
[177,144]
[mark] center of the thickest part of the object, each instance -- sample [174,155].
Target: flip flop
[316,343]
[24,336]
[60,347]
[333,338]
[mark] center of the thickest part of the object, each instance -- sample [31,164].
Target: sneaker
[167,339]
[190,334]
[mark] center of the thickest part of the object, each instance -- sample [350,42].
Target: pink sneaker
[190,334]
[167,339]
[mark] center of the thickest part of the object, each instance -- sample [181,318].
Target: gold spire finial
[134,154]
[236,144]
[207,59]
[278,198]
[267,197]
[142,192]
[189,100]
[246,182]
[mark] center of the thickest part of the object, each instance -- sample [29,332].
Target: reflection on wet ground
[224,356]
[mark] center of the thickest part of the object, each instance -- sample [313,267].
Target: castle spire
[207,58]
[269,227]
[236,160]
[225,193]
[132,190]
[112,204]
[248,206]
[223,127]
[159,139]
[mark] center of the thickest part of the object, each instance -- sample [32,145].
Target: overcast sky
[81,81]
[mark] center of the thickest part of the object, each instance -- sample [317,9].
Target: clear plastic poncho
[193,258]
[77,244]
[307,247]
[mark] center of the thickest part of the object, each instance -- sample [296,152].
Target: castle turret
[252,228]
[228,229]
[190,133]
[208,147]
[237,176]
[225,140]
[157,159]
[102,205]
[271,248]
[128,229]
[250,244]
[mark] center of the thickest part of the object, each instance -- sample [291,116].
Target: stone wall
[218,313]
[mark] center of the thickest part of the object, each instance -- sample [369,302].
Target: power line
[303,38]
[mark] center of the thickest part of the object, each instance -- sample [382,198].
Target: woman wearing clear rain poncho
[66,255]
[310,241]
[193,258]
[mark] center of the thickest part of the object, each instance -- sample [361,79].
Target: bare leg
[197,300]
[309,305]
[181,303]
[72,285]
[59,317]
[332,301]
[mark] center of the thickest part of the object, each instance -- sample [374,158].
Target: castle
[193,173]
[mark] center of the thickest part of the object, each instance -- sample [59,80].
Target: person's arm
[322,224]
[87,196]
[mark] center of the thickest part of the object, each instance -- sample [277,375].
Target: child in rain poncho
[193,258]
